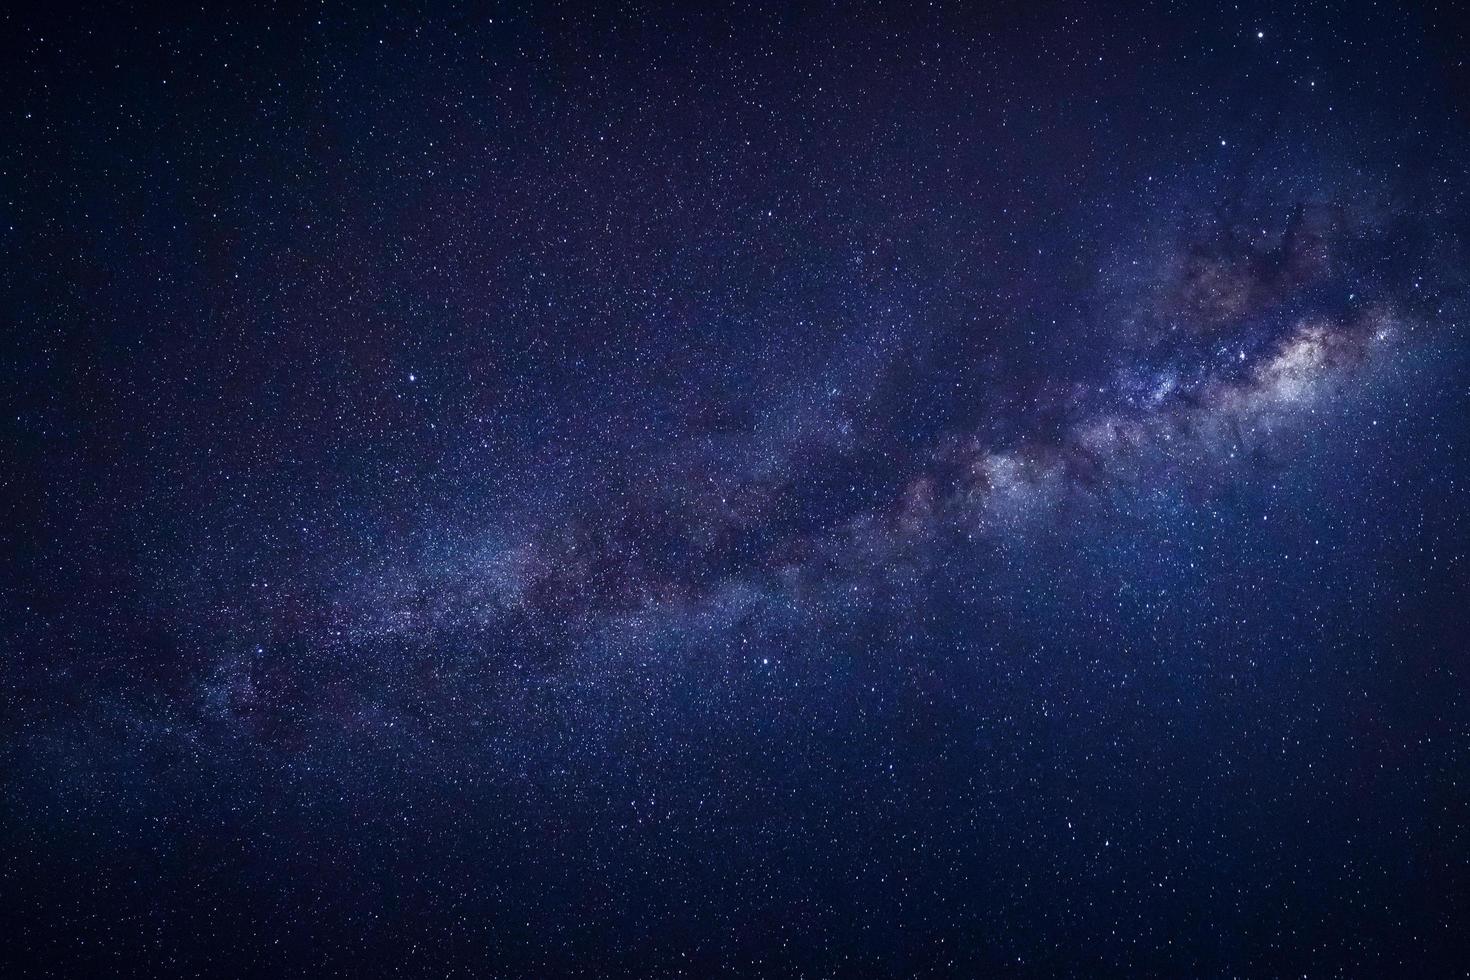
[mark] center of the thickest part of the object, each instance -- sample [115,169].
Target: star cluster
[547,489]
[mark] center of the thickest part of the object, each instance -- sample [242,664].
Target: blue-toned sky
[691,490]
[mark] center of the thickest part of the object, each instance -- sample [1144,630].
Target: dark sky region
[844,490]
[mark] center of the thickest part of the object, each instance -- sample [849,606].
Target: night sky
[535,489]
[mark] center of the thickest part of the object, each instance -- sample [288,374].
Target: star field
[701,490]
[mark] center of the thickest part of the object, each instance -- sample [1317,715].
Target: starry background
[537,489]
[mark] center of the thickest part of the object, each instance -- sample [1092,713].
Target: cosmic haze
[546,489]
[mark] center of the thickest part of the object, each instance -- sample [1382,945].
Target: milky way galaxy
[548,490]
